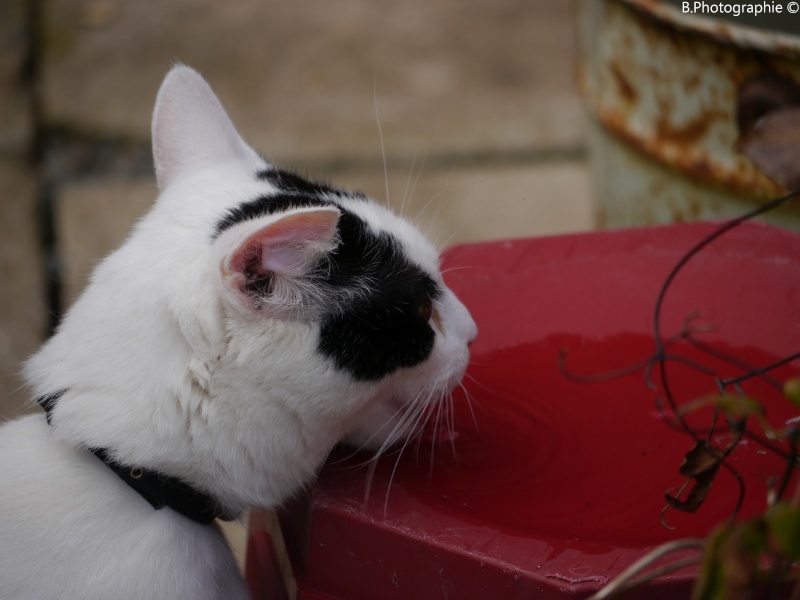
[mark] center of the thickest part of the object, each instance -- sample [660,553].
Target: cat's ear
[284,249]
[191,128]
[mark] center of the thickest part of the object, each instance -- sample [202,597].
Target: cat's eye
[425,309]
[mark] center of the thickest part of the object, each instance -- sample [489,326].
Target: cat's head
[266,313]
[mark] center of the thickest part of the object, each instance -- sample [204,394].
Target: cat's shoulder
[54,516]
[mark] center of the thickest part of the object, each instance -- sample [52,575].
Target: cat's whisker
[391,438]
[471,378]
[355,450]
[372,468]
[469,399]
[404,199]
[451,424]
[416,416]
[435,440]
[407,418]
[469,268]
[429,409]
[374,463]
[384,446]
[391,480]
[409,195]
[437,196]
[432,223]
[408,414]
[380,135]
[421,414]
[446,188]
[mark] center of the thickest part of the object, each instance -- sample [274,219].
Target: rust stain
[692,83]
[688,134]
[745,180]
[702,169]
[689,128]
[626,88]
[713,30]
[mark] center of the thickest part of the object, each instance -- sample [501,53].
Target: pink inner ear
[318,225]
[245,257]
[285,245]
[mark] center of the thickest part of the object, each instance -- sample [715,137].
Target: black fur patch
[295,184]
[266,205]
[385,328]
[381,327]
[48,403]
[292,183]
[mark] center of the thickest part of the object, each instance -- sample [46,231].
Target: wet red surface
[540,485]
[537,455]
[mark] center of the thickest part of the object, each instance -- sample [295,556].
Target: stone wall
[482,130]
[23,305]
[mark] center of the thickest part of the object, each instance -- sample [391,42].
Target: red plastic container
[551,487]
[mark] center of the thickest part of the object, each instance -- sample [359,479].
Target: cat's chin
[398,422]
[402,416]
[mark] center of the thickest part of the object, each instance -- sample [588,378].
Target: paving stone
[22,306]
[301,79]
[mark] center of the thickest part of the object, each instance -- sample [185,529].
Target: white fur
[167,364]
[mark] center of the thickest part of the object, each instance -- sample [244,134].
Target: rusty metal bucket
[662,87]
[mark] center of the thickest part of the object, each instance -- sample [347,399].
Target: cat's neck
[173,396]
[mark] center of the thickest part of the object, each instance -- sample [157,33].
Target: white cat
[251,321]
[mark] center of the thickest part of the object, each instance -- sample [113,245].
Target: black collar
[158,489]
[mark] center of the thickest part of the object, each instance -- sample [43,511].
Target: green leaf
[730,565]
[783,522]
[710,584]
[741,407]
[792,390]
[753,538]
[738,407]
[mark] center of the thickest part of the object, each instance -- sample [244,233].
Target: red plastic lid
[552,486]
